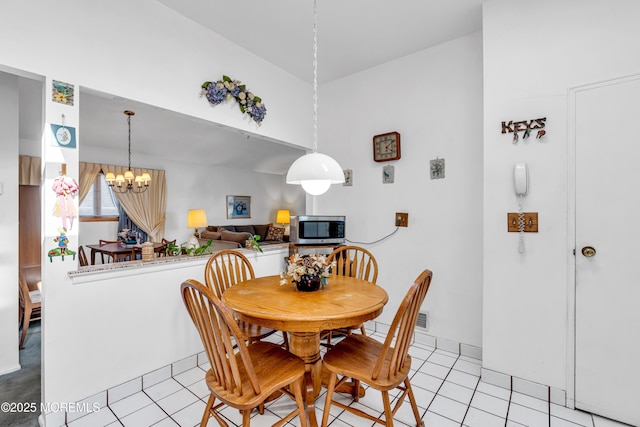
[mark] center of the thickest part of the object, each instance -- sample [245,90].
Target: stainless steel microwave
[317,229]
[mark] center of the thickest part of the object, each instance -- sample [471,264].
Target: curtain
[125,222]
[88,174]
[29,170]
[147,209]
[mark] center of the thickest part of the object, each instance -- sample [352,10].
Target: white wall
[191,186]
[125,323]
[532,56]
[145,52]
[434,99]
[9,360]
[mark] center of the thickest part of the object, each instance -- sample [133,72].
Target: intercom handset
[520,179]
[521,185]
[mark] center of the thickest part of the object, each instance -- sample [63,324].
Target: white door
[607,352]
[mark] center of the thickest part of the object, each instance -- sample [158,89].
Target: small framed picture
[387,174]
[63,136]
[62,92]
[437,168]
[348,178]
[238,207]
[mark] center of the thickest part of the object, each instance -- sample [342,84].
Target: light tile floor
[447,388]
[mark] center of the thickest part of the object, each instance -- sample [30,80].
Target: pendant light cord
[315,76]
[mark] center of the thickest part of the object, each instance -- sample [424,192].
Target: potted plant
[199,250]
[252,242]
[309,272]
[173,249]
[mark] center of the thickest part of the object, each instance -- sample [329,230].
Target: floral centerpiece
[128,236]
[309,271]
[228,89]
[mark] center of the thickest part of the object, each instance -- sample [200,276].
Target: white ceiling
[353,35]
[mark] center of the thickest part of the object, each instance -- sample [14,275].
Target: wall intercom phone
[521,185]
[521,179]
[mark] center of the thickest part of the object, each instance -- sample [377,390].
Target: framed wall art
[388,174]
[238,207]
[348,178]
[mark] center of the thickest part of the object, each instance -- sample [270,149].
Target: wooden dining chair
[227,268]
[29,307]
[383,366]
[104,242]
[242,375]
[82,257]
[352,261]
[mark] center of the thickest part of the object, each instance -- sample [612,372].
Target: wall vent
[423,320]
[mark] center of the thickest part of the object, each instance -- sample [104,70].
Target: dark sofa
[269,234]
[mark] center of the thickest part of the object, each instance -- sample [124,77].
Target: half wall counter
[107,324]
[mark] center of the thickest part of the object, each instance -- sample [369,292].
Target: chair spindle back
[226,268]
[354,261]
[219,333]
[403,326]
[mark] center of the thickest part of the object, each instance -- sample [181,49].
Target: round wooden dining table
[343,302]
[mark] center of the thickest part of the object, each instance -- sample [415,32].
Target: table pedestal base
[306,345]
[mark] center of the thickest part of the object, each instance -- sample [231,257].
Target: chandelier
[128,182]
[315,171]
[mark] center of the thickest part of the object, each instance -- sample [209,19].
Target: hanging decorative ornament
[62,249]
[65,188]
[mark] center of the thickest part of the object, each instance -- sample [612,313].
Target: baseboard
[529,388]
[12,369]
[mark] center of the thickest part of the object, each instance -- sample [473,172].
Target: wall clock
[386,147]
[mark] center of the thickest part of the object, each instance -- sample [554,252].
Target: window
[99,202]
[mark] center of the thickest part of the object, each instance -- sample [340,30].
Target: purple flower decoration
[221,90]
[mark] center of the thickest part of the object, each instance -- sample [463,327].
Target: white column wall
[434,99]
[9,360]
[532,56]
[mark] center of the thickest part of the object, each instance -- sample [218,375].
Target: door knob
[588,251]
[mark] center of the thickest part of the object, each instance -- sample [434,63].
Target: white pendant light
[315,171]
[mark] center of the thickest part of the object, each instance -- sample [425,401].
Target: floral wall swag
[227,89]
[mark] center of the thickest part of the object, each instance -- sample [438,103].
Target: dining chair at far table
[227,268]
[353,261]
[241,375]
[162,250]
[380,365]
[29,307]
[82,257]
[114,258]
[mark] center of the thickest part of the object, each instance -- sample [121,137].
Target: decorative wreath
[227,89]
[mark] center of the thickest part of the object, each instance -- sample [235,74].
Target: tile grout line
[469,405]
[506,416]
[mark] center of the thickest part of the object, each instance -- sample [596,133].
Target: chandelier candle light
[315,171]
[128,182]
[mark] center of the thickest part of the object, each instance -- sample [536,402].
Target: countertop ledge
[92,273]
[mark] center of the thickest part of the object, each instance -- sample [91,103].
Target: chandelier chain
[315,76]
[129,123]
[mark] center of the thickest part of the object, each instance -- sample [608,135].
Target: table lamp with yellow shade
[196,218]
[284,217]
